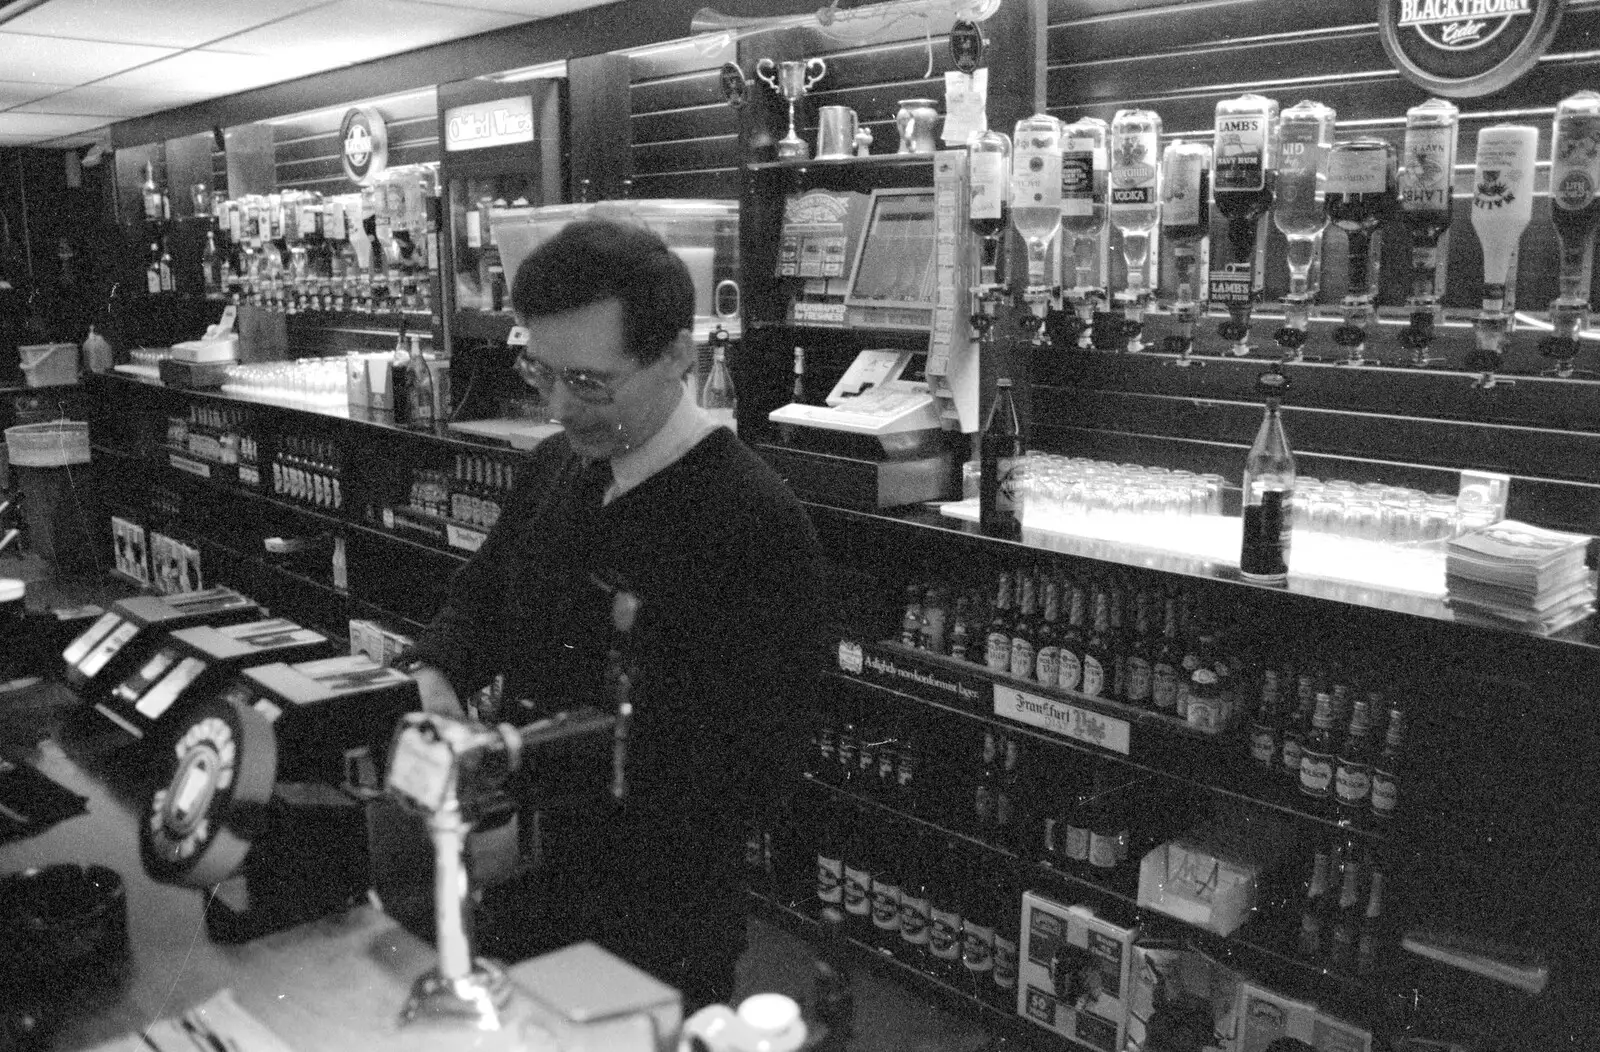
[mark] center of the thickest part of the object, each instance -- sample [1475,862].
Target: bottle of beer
[1007,796]
[1047,640]
[1269,475]
[849,752]
[997,638]
[824,763]
[944,938]
[830,858]
[1316,754]
[983,799]
[1107,827]
[977,929]
[915,920]
[1141,654]
[886,895]
[1069,662]
[1266,729]
[1000,465]
[1024,645]
[935,620]
[961,630]
[1007,922]
[907,786]
[1348,915]
[1314,905]
[1352,780]
[1371,922]
[1298,729]
[1097,657]
[858,880]
[1166,666]
[1387,769]
[911,617]
[1078,820]
[1118,640]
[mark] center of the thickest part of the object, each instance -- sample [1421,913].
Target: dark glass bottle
[1008,795]
[961,630]
[915,883]
[911,617]
[1352,780]
[1387,770]
[935,620]
[997,637]
[1024,631]
[1117,642]
[1314,906]
[988,785]
[858,879]
[1266,730]
[1001,447]
[1268,494]
[1069,661]
[1166,667]
[977,925]
[1097,656]
[1347,914]
[831,838]
[1317,753]
[885,906]
[1047,639]
[1362,192]
[1368,942]
[944,939]
[1141,654]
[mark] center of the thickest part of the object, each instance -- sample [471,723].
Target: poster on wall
[1466,48]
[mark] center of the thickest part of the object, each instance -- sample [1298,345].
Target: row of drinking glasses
[315,382]
[1059,491]
[149,357]
[1374,512]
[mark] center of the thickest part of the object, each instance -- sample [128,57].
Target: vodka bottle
[988,203]
[1036,188]
[1305,134]
[1135,188]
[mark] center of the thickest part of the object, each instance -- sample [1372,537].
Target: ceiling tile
[15,93]
[212,73]
[109,101]
[28,57]
[350,31]
[162,22]
[534,8]
[44,125]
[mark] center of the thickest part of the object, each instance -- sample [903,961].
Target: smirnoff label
[1241,152]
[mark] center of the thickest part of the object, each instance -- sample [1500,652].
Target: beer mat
[30,803]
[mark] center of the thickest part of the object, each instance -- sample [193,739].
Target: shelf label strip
[1058,717]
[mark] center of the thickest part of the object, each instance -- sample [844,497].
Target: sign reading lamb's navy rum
[1466,48]
[478,125]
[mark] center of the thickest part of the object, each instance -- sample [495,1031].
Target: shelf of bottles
[1068,186]
[299,251]
[1084,740]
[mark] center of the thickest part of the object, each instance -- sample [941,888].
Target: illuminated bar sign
[482,124]
[1466,48]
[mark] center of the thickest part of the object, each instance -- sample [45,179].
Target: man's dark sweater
[728,643]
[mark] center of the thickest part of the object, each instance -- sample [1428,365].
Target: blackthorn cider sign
[1466,48]
[364,143]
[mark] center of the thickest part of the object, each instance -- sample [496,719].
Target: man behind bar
[642,491]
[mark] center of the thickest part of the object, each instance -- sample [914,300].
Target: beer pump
[1426,179]
[1361,193]
[1036,208]
[1135,207]
[1575,211]
[1502,205]
[1305,134]
[1185,221]
[1083,215]
[454,773]
[1243,179]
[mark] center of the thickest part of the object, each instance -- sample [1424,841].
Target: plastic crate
[53,444]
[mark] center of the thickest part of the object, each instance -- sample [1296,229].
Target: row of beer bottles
[929,901]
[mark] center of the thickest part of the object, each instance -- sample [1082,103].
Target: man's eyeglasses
[583,386]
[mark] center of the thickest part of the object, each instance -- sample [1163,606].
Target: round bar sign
[364,142]
[1466,48]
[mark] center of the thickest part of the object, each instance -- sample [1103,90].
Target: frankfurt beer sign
[364,144]
[1466,48]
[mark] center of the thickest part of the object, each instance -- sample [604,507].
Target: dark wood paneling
[720,184]
[688,156]
[698,122]
[701,88]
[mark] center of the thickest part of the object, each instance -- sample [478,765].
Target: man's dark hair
[592,260]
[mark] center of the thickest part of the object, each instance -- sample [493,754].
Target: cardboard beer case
[1074,972]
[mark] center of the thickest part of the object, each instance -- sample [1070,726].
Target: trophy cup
[794,79]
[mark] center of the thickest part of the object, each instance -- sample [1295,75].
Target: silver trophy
[793,81]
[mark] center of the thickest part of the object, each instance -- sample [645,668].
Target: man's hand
[438,696]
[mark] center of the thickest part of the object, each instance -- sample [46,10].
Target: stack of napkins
[1519,575]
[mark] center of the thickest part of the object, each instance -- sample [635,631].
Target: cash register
[265,806]
[876,442]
